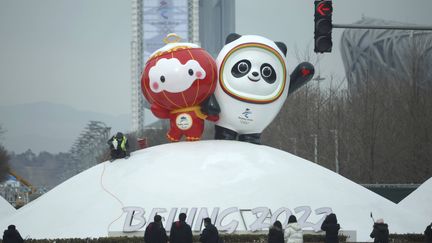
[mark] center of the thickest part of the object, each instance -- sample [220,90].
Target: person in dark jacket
[428,234]
[11,235]
[276,234]
[119,146]
[181,232]
[155,232]
[331,227]
[210,233]
[380,232]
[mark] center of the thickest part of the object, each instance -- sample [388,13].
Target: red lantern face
[179,78]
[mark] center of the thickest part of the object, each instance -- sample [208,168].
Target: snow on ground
[205,174]
[420,202]
[6,208]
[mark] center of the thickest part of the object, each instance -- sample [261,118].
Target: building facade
[402,55]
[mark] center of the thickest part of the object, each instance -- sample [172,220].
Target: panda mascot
[253,85]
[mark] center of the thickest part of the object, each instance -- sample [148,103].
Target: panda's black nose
[255,74]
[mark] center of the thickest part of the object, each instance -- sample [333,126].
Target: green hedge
[240,238]
[229,238]
[400,238]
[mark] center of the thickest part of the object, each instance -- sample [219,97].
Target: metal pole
[390,27]
[294,144]
[336,151]
[315,148]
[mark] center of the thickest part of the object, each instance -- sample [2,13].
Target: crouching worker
[119,146]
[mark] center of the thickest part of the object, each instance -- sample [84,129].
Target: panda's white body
[233,114]
[249,106]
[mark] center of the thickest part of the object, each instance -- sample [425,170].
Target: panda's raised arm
[302,74]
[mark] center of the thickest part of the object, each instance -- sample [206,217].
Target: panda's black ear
[232,37]
[282,47]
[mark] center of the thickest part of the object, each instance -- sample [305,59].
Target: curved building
[402,55]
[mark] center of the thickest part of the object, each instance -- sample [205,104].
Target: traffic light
[323,26]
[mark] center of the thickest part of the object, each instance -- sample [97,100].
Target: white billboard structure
[243,187]
[137,100]
[402,55]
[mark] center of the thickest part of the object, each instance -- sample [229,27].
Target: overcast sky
[73,52]
[292,22]
[77,52]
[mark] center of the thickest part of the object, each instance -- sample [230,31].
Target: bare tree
[4,160]
[383,124]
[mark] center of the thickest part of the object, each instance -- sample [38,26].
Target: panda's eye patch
[241,68]
[162,78]
[268,73]
[191,72]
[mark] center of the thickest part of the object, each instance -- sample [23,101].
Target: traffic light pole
[324,26]
[388,27]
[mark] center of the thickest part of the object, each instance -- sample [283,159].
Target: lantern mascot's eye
[178,81]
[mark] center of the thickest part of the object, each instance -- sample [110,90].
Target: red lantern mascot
[178,81]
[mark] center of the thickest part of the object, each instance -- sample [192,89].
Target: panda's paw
[254,138]
[225,133]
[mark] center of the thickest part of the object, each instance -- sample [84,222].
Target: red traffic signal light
[324,8]
[323,26]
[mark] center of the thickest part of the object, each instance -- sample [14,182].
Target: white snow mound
[205,174]
[420,202]
[6,208]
